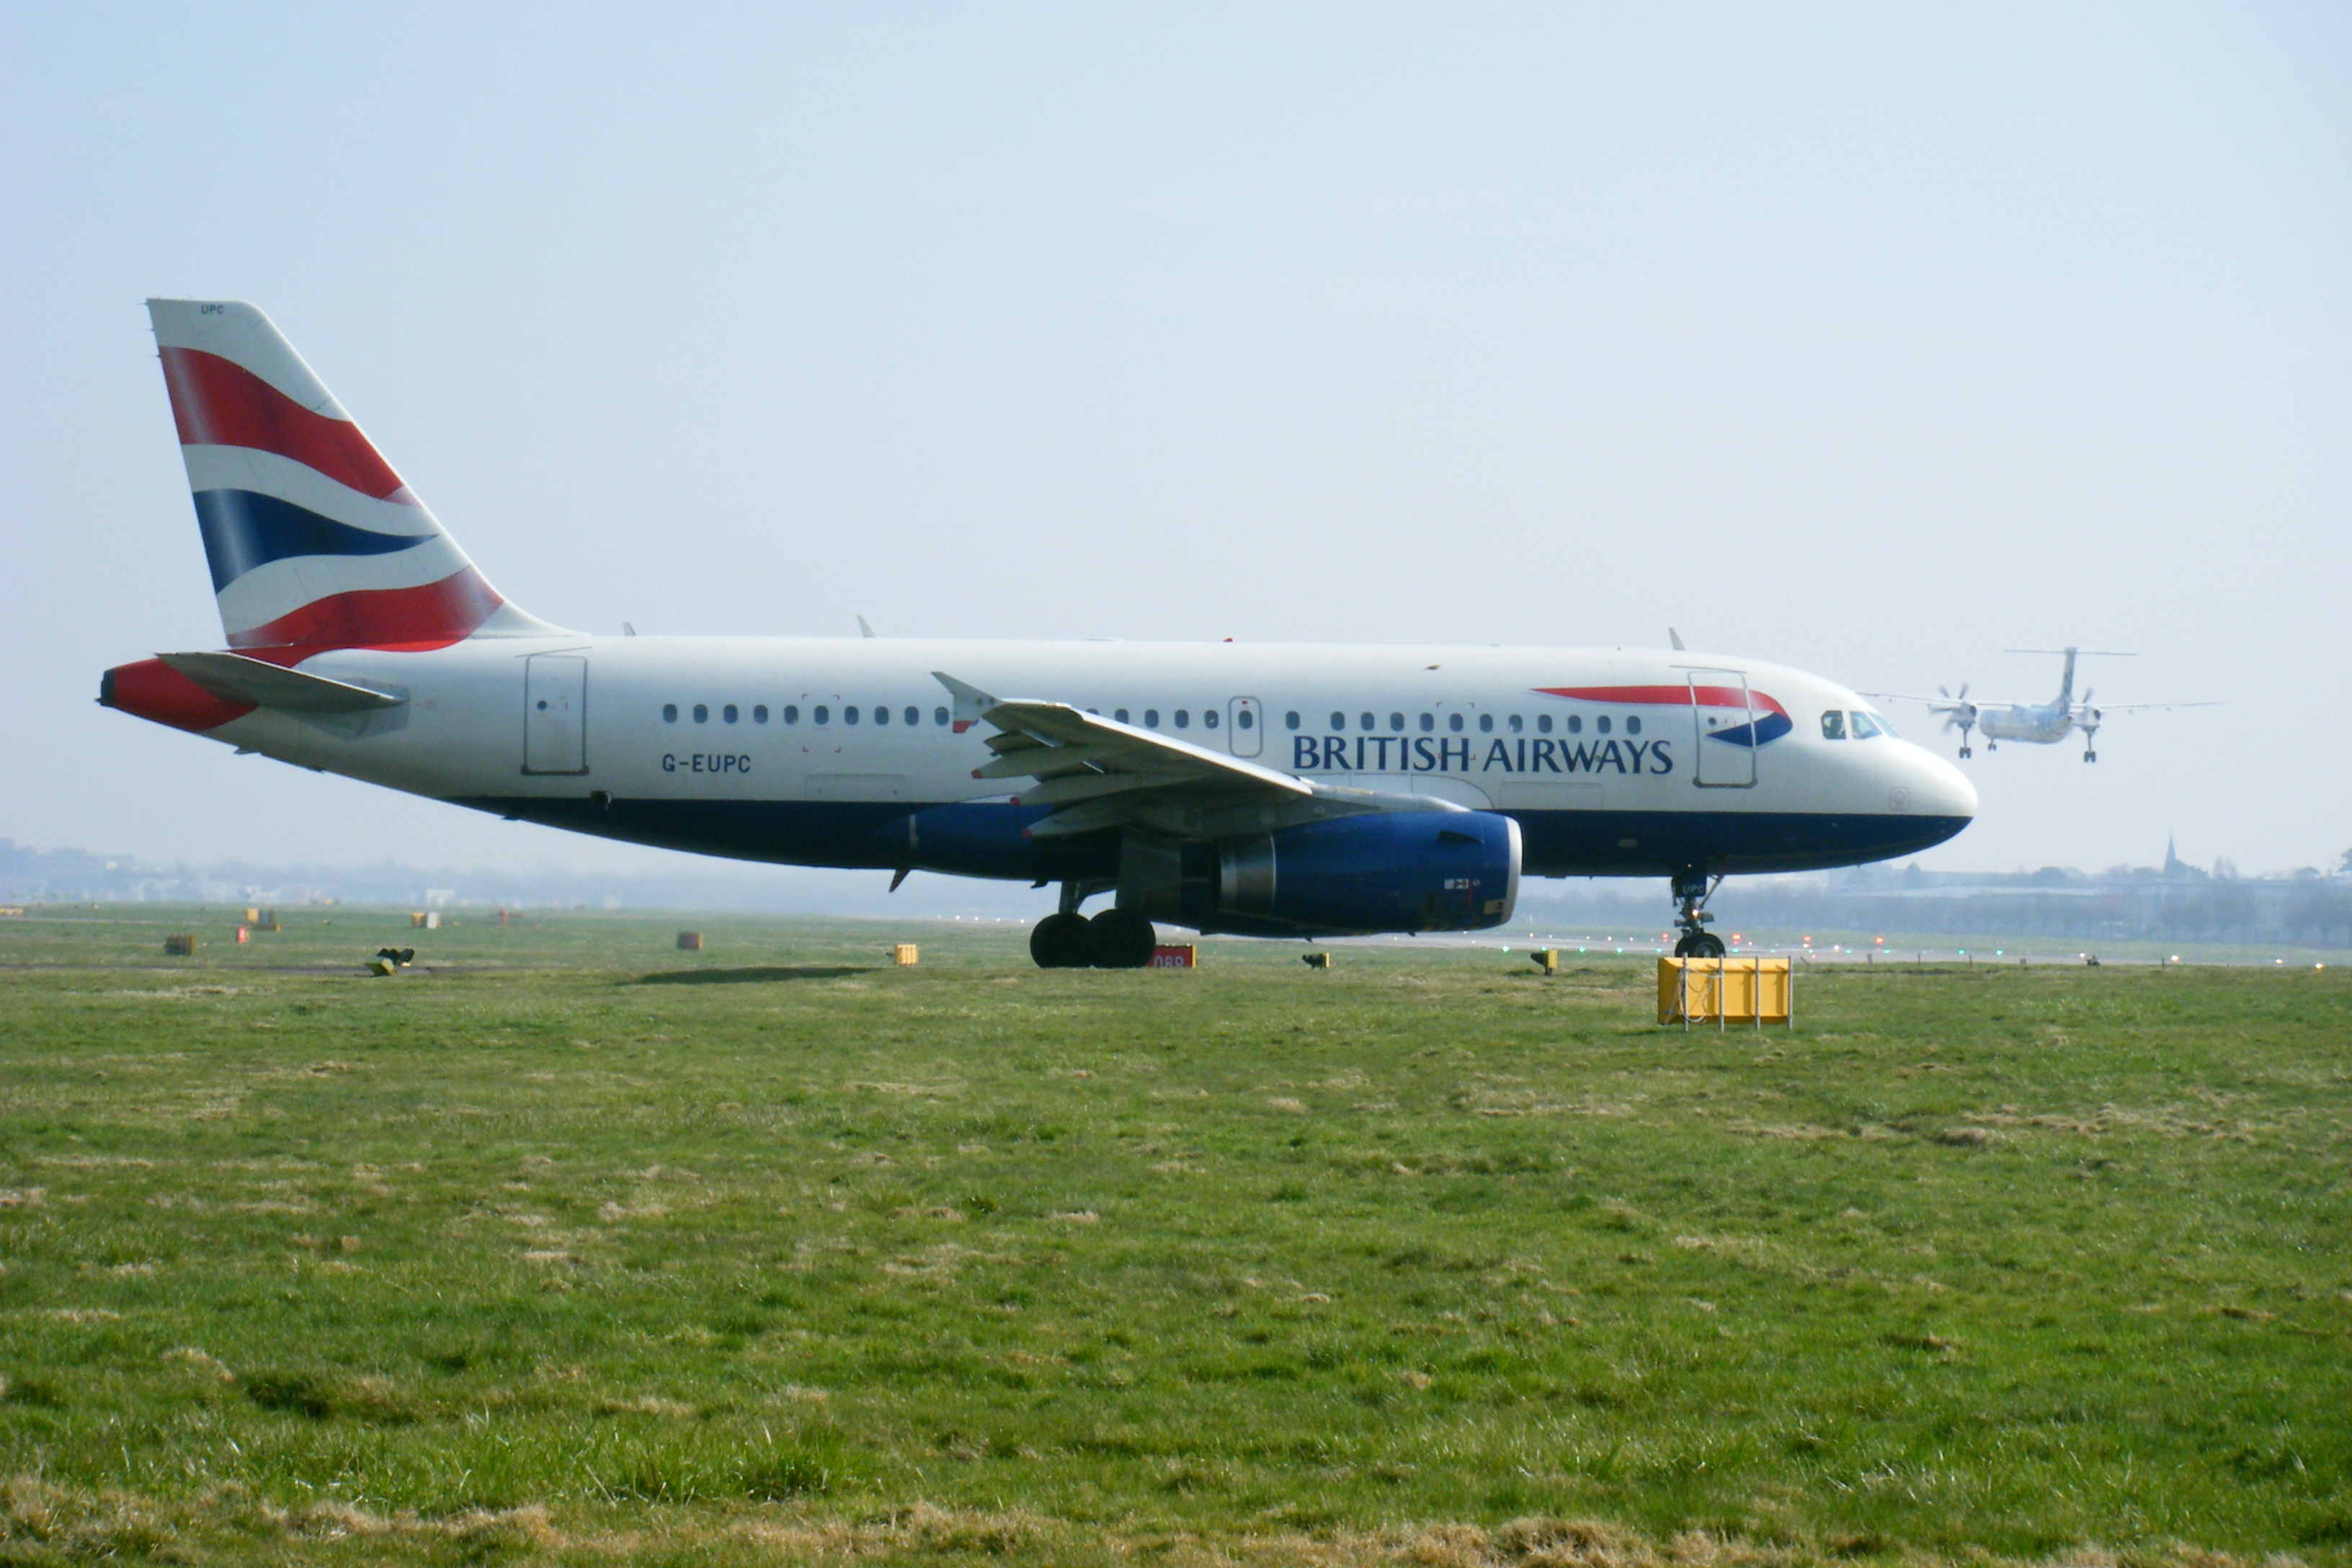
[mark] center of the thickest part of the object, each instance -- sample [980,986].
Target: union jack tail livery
[314,543]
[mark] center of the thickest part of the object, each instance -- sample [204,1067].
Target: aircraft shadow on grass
[763,976]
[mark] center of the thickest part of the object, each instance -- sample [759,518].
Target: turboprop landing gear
[1115,939]
[1692,889]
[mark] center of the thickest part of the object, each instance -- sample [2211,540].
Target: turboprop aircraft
[2037,723]
[1264,790]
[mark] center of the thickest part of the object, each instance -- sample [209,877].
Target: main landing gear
[1692,890]
[2091,743]
[1115,939]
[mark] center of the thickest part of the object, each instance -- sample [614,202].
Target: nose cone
[1941,796]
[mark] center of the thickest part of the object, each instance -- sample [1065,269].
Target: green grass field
[573,1247]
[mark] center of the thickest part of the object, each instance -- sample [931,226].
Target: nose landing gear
[1692,890]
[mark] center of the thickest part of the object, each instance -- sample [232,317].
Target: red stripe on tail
[218,402]
[432,616]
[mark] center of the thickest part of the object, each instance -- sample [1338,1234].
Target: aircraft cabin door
[1245,730]
[1722,730]
[555,713]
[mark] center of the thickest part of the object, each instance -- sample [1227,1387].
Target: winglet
[971,702]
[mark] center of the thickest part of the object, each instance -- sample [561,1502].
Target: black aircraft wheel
[2090,756]
[1699,944]
[1059,942]
[1120,939]
[1965,752]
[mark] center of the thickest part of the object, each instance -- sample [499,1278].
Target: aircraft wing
[1930,702]
[1097,772]
[2139,707]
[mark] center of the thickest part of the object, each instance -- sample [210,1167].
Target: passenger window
[702,714]
[670,712]
[1575,724]
[1543,723]
[1152,717]
[1602,724]
[1865,726]
[821,714]
[1428,724]
[1633,724]
[1290,720]
[1184,718]
[913,716]
[1119,714]
[1208,718]
[759,713]
[792,714]
[1339,721]
[849,715]
[1396,722]
[1245,720]
[1515,722]
[1365,720]
[1833,725]
[881,715]
[1453,723]
[727,713]
[1485,724]
[939,716]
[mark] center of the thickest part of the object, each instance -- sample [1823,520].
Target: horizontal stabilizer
[233,678]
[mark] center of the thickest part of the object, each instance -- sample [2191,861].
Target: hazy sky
[1868,339]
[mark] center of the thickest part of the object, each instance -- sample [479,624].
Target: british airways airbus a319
[1264,790]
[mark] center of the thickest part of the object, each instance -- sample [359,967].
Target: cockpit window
[1833,725]
[1866,725]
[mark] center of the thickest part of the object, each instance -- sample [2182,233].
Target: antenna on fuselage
[1676,638]
[863,629]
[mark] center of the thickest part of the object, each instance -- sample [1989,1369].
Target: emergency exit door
[555,713]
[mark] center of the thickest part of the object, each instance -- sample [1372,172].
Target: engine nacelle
[1388,871]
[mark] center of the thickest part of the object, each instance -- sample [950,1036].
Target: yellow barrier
[1725,991]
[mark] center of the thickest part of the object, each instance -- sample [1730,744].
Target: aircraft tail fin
[313,541]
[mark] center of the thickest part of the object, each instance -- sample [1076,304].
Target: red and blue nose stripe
[1765,723]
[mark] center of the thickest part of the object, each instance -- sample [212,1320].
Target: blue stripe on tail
[244,528]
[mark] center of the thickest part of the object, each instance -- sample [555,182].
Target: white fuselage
[846,752]
[2042,724]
